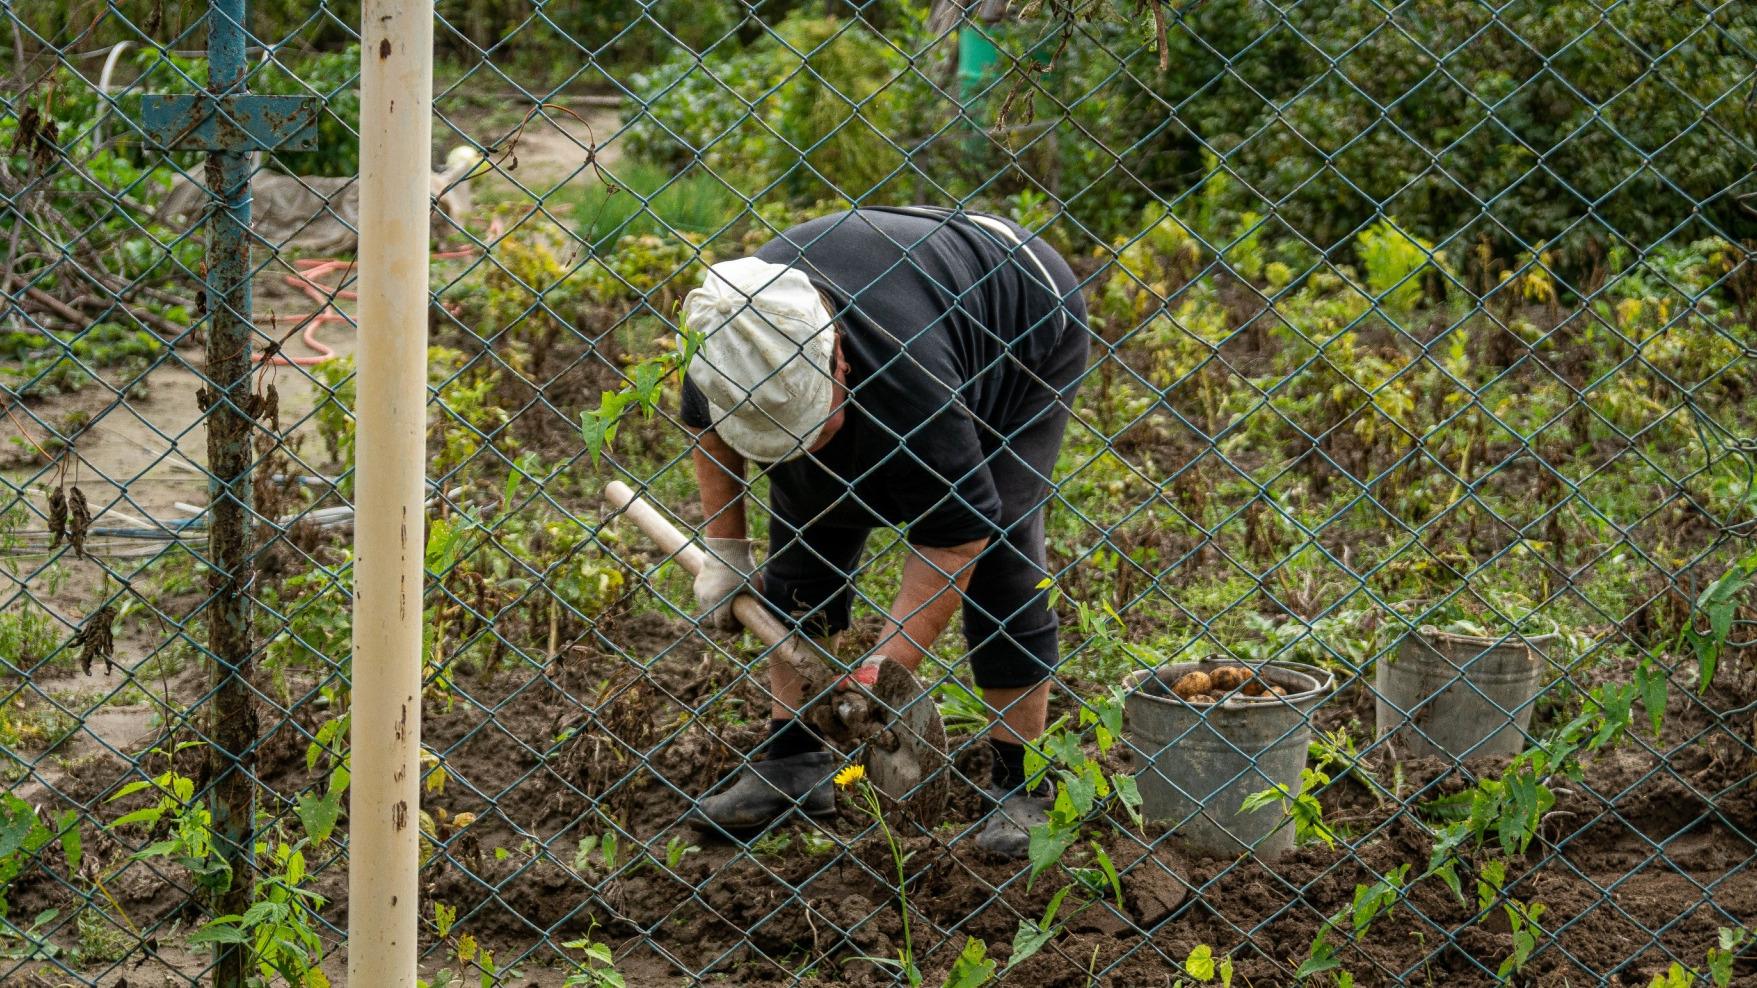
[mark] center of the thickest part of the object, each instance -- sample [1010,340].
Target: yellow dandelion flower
[850,775]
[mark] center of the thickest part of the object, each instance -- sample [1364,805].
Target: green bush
[818,108]
[1539,117]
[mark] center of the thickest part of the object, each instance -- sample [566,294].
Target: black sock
[1008,772]
[789,737]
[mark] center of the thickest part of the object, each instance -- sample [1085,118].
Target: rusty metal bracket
[246,122]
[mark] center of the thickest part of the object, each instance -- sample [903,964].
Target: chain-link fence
[1393,362]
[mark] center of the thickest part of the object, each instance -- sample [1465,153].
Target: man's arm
[934,581]
[719,475]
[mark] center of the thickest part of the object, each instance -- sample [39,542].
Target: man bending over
[905,367]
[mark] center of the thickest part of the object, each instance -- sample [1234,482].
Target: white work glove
[726,570]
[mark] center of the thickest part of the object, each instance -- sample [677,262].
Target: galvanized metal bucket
[1459,696]
[1195,765]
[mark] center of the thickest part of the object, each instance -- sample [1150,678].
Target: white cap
[765,358]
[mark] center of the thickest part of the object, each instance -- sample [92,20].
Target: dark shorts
[815,551]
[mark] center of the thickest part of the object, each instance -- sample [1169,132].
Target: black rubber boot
[763,792]
[1008,833]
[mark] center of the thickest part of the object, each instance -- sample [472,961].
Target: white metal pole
[396,133]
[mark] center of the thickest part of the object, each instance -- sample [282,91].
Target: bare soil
[1640,862]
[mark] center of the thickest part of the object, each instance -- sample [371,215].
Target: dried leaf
[79,520]
[96,640]
[57,517]
[26,134]
[270,409]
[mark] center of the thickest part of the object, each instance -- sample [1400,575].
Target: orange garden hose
[304,278]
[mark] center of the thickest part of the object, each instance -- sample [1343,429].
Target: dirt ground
[1640,862]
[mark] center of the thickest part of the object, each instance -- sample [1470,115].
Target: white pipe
[110,60]
[396,135]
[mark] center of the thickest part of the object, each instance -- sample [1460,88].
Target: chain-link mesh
[1416,405]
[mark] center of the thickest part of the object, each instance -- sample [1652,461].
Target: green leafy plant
[1370,902]
[1082,786]
[23,834]
[29,942]
[1201,965]
[1321,956]
[972,968]
[1511,807]
[464,951]
[190,841]
[1394,261]
[675,851]
[1522,917]
[817,844]
[961,708]
[1728,942]
[771,845]
[1337,748]
[1675,976]
[281,927]
[598,426]
[1034,934]
[1304,809]
[597,967]
[1718,604]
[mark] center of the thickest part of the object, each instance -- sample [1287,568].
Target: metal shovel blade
[905,741]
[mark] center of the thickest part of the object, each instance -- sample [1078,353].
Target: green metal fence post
[228,365]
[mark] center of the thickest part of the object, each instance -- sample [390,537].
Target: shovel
[894,727]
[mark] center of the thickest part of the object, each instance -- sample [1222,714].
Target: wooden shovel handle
[758,618]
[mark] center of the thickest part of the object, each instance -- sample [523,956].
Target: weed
[1521,916]
[190,842]
[281,927]
[771,845]
[817,844]
[1728,943]
[1370,902]
[1200,964]
[101,940]
[972,968]
[854,778]
[597,969]
[1718,604]
[961,708]
[598,427]
[1305,811]
[30,942]
[1394,261]
[24,834]
[675,851]
[463,949]
[27,727]
[599,854]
